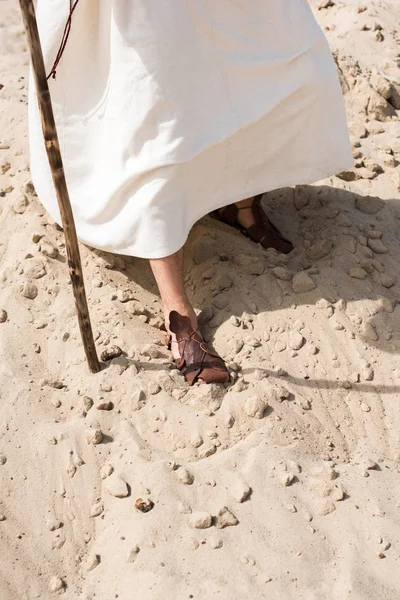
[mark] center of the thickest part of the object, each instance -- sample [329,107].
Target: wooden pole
[57,172]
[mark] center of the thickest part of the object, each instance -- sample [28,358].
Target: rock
[301,196]
[254,265]
[185,476]
[144,505]
[133,554]
[377,246]
[215,543]
[56,584]
[225,518]
[386,281]
[395,96]
[29,290]
[106,471]
[196,441]
[116,486]
[368,331]
[241,491]
[3,459]
[255,407]
[36,269]
[378,108]
[87,403]
[296,340]
[358,273]
[319,249]
[110,353]
[201,520]
[302,283]
[3,315]
[138,398]
[94,436]
[369,205]
[286,478]
[381,85]
[125,295]
[92,562]
[151,350]
[48,249]
[97,509]
[105,405]
[358,130]
[282,273]
[4,166]
[20,205]
[203,249]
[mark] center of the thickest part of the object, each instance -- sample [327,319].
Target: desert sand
[285,483]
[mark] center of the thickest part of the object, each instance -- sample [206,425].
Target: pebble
[302,283]
[201,520]
[110,353]
[56,584]
[125,295]
[105,405]
[282,273]
[241,491]
[87,403]
[286,478]
[196,441]
[48,249]
[133,554]
[3,315]
[96,509]
[215,543]
[225,518]
[106,471]
[358,273]
[369,332]
[280,346]
[377,246]
[144,505]
[369,205]
[29,290]
[296,340]
[3,459]
[92,562]
[185,476]
[301,196]
[319,249]
[255,407]
[386,280]
[116,486]
[94,436]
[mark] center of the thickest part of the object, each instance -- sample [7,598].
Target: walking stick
[60,185]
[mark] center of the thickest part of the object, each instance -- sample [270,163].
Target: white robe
[169,109]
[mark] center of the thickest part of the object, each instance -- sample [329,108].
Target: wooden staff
[60,185]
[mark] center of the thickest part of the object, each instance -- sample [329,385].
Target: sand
[284,484]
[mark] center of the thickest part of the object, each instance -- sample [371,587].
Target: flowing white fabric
[168,109]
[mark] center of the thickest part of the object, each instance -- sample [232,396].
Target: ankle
[183,308]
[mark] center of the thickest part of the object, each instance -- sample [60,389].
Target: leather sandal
[261,232]
[196,361]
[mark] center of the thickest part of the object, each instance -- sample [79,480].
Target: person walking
[168,110]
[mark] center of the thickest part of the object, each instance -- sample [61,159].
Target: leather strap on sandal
[196,360]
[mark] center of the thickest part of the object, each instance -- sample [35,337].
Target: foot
[195,360]
[184,310]
[249,216]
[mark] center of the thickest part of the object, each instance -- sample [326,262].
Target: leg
[168,273]
[192,357]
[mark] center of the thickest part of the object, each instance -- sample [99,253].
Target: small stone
[302,283]
[301,196]
[369,331]
[365,407]
[280,346]
[94,436]
[296,340]
[133,554]
[106,471]
[97,509]
[144,505]
[225,518]
[196,441]
[53,524]
[255,407]
[87,403]
[386,280]
[185,476]
[377,246]
[151,350]
[241,491]
[3,315]
[110,353]
[106,387]
[125,295]
[56,584]
[201,520]
[29,290]
[105,405]
[286,478]
[358,273]
[3,459]
[203,249]
[215,543]
[48,249]
[282,273]
[369,205]
[92,562]
[20,205]
[319,250]
[4,166]
[116,486]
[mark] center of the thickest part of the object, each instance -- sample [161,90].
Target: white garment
[168,109]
